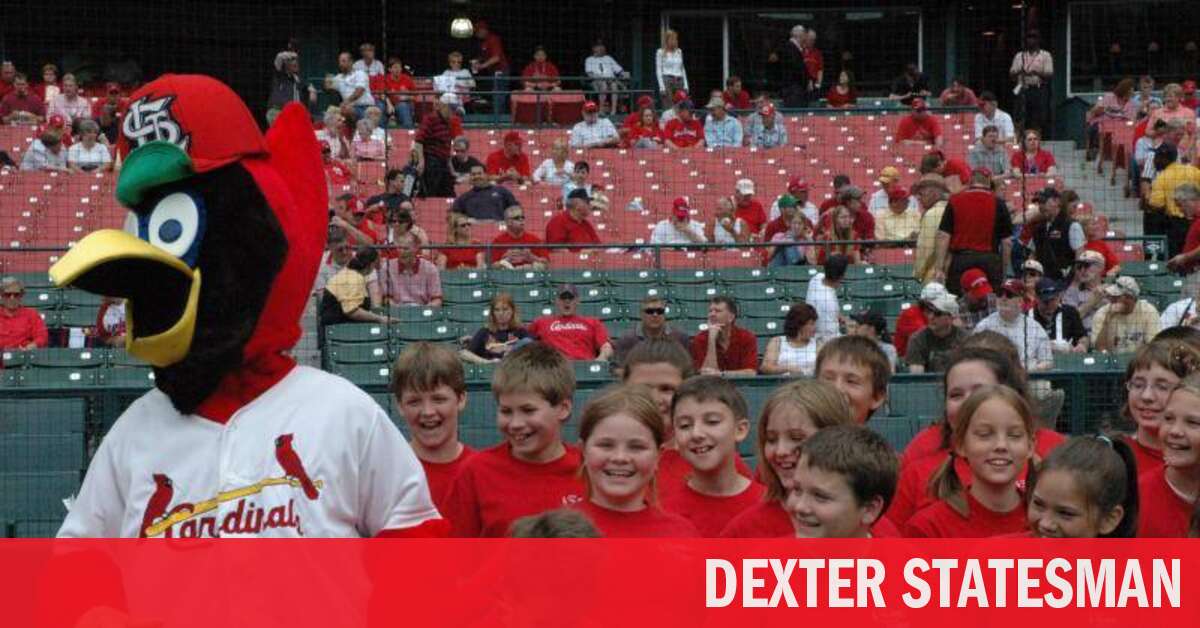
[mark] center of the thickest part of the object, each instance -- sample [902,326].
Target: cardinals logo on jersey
[292,466]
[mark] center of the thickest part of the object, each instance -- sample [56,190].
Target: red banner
[296,584]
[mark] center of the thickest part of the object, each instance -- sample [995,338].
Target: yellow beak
[159,287]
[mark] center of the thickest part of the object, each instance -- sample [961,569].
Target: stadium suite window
[1096,65]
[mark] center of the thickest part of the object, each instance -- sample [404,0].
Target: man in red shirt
[724,348]
[748,207]
[916,317]
[571,226]
[953,167]
[975,225]
[432,147]
[864,223]
[8,72]
[494,62]
[919,127]
[814,62]
[515,233]
[734,96]
[1187,196]
[393,89]
[20,327]
[21,105]
[840,182]
[576,337]
[541,74]
[508,163]
[685,130]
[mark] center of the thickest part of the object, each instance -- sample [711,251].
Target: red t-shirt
[493,489]
[493,47]
[910,321]
[498,163]
[764,520]
[576,337]
[22,327]
[639,131]
[545,69]
[526,238]
[1041,163]
[1147,459]
[863,227]
[709,514]
[673,470]
[461,258]
[836,99]
[338,173]
[939,520]
[563,229]
[1189,244]
[779,225]
[926,129]
[814,62]
[753,213]
[684,134]
[1162,513]
[649,522]
[441,476]
[956,168]
[741,101]
[741,354]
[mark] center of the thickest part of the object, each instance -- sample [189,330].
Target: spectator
[394,194]
[958,95]
[978,301]
[871,324]
[287,85]
[1085,292]
[842,95]
[458,228]
[1032,69]
[1154,219]
[931,203]
[919,127]
[604,70]
[578,180]
[1062,323]
[668,67]
[514,232]
[68,103]
[338,252]
[576,337]
[108,112]
[571,225]
[782,210]
[1187,197]
[45,153]
[1115,105]
[346,297]
[351,215]
[797,188]
[8,73]
[461,160]
[653,326]
[48,88]
[685,130]
[395,92]
[863,225]
[21,106]
[748,207]
[456,79]
[110,322]
[672,112]
[901,222]
[1126,322]
[1008,320]
[401,226]
[1144,101]
[1180,313]
[365,146]
[721,130]
[988,153]
[331,134]
[724,348]
[645,101]
[502,333]
[432,148]
[1053,236]
[1095,228]
[975,225]
[485,200]
[798,229]
[1032,272]
[1189,95]
[540,74]
[508,163]
[555,170]
[368,64]
[1143,157]
[911,84]
[991,115]
[20,327]
[409,279]
[840,183]
[794,352]
[734,96]
[679,228]
[916,317]
[889,179]
[839,234]
[727,227]
[87,154]
[645,133]
[1173,109]
[494,62]
[593,131]
[766,129]
[1162,195]
[929,349]
[352,85]
[797,84]
[814,63]
[822,295]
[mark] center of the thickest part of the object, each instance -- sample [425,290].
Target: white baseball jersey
[312,456]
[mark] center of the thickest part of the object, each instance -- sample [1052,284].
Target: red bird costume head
[221,245]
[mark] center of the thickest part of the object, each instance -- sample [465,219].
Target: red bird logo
[156,506]
[292,467]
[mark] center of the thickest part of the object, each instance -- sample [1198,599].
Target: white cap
[1123,286]
[932,290]
[945,303]
[745,186]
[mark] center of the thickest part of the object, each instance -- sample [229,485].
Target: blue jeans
[500,98]
[786,256]
[404,114]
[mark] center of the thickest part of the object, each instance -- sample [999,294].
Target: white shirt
[37,157]
[602,67]
[1002,121]
[1029,62]
[376,68]
[97,155]
[548,172]
[824,300]
[366,477]
[803,358]
[809,210]
[879,203]
[1025,333]
[1175,313]
[721,235]
[345,84]
[459,80]
[584,135]
[669,64]
[665,232]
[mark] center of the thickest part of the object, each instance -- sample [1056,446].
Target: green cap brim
[149,166]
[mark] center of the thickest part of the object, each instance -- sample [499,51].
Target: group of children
[658,454]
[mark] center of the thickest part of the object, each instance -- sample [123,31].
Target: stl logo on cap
[150,120]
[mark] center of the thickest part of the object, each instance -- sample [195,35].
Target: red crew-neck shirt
[494,488]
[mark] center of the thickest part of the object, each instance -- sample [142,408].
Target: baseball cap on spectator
[931,291]
[1047,288]
[579,193]
[715,103]
[897,194]
[686,103]
[945,303]
[1189,86]
[645,101]
[449,98]
[56,122]
[768,109]
[567,289]
[974,282]
[918,104]
[796,185]
[679,96]
[512,137]
[890,174]
[787,200]
[1034,265]
[1089,256]
[1123,287]
[851,191]
[744,186]
[590,107]
[1012,288]
[680,208]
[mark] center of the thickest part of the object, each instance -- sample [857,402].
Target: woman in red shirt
[1031,159]
[841,228]
[458,229]
[1095,229]
[646,132]
[541,69]
[843,94]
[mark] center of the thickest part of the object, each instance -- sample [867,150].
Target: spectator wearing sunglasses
[20,327]
[653,326]
[510,257]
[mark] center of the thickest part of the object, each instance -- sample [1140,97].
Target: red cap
[918,104]
[680,202]
[897,193]
[112,86]
[679,96]
[975,283]
[1012,288]
[590,107]
[512,137]
[796,185]
[768,109]
[57,121]
[1189,86]
[645,101]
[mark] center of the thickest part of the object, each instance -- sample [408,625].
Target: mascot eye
[176,225]
[131,225]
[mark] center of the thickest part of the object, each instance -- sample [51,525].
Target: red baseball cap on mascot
[199,115]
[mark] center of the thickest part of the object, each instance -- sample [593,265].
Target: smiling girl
[1168,495]
[1085,489]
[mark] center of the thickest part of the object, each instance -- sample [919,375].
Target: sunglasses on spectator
[517,217]
[566,296]
[655,311]
[12,295]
